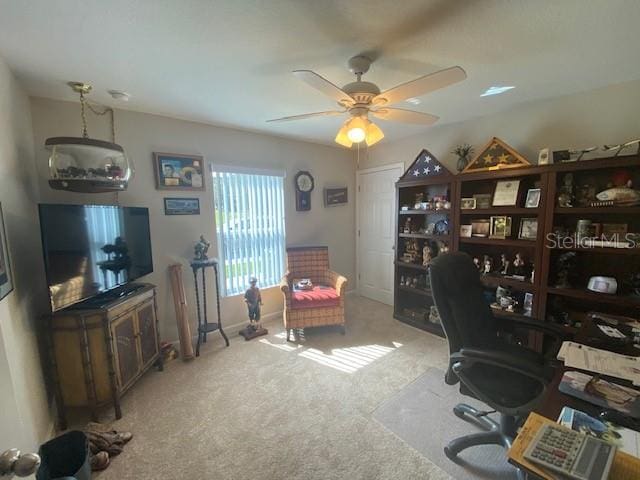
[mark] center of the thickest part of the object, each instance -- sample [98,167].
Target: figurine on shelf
[200,250]
[564,267]
[487,265]
[418,205]
[504,264]
[476,262]
[519,265]
[407,226]
[253,299]
[565,197]
[427,254]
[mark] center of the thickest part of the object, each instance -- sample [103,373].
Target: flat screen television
[93,249]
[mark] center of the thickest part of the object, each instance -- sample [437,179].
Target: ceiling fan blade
[405,116]
[324,86]
[420,86]
[328,113]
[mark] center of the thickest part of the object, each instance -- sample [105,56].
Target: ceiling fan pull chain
[83,114]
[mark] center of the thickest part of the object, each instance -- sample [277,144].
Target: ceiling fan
[361,98]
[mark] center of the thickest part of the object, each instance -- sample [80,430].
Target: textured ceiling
[229,62]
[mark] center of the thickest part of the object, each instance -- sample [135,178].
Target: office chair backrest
[457,292]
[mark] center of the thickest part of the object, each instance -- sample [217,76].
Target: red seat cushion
[320,296]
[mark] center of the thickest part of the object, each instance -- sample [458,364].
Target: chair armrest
[469,356]
[337,281]
[284,285]
[555,333]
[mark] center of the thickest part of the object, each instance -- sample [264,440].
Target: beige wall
[24,410]
[173,237]
[606,115]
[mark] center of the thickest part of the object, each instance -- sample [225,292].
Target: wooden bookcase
[541,253]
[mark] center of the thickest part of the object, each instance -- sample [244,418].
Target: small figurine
[253,299]
[519,265]
[201,248]
[407,226]
[476,262]
[504,264]
[487,265]
[565,198]
[564,266]
[427,254]
[419,200]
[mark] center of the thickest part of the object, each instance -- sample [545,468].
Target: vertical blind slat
[250,228]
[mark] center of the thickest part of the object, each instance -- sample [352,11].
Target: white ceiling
[229,62]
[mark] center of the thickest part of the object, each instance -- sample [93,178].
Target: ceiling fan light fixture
[342,138]
[374,134]
[357,129]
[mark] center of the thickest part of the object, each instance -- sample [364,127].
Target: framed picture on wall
[6,281]
[182,206]
[179,172]
[335,196]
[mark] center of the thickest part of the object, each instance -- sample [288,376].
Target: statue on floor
[253,299]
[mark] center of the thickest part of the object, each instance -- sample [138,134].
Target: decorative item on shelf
[506,193]
[440,202]
[504,264]
[500,227]
[182,206]
[419,203]
[336,196]
[428,253]
[87,165]
[560,156]
[442,227]
[580,153]
[614,229]
[179,172]
[431,228]
[6,279]
[467,204]
[618,148]
[583,228]
[200,250]
[601,284]
[521,268]
[494,156]
[463,152]
[465,231]
[487,265]
[404,208]
[544,158]
[634,284]
[407,226]
[303,182]
[620,196]
[480,227]
[426,165]
[566,191]
[412,252]
[533,198]
[253,299]
[476,262]
[565,268]
[528,229]
[527,305]
[585,194]
[434,315]
[483,200]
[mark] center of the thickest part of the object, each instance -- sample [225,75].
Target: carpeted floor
[268,409]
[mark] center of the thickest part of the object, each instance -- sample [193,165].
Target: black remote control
[620,419]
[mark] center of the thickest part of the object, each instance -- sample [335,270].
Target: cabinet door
[125,345]
[148,335]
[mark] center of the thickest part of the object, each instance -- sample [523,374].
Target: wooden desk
[588,334]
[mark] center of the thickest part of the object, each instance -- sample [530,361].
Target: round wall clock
[304,186]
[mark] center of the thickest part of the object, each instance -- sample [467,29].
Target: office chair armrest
[556,334]
[467,357]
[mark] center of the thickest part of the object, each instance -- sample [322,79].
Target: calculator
[570,453]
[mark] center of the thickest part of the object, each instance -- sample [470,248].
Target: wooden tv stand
[99,350]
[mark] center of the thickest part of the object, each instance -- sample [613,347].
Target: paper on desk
[611,331]
[602,361]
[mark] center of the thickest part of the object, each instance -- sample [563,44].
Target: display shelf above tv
[507,242]
[500,211]
[441,238]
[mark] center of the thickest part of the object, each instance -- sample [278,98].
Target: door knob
[12,462]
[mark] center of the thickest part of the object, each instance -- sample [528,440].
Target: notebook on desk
[625,466]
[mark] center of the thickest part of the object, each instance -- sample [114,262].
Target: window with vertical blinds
[249,210]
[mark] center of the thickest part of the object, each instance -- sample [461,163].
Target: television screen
[89,249]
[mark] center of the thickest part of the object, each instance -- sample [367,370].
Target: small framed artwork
[480,227]
[335,196]
[179,172]
[528,229]
[500,227]
[506,193]
[483,200]
[182,206]
[467,204]
[466,230]
[6,280]
[533,198]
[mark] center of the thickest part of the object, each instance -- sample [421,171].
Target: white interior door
[376,227]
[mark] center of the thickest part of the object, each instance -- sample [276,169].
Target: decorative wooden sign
[426,165]
[496,155]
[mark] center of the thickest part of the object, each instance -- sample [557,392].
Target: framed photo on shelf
[182,206]
[465,231]
[480,227]
[483,200]
[528,229]
[533,198]
[179,172]
[6,280]
[467,203]
[506,193]
[500,227]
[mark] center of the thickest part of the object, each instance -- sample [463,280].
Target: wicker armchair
[324,305]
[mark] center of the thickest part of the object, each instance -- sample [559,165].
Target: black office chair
[511,379]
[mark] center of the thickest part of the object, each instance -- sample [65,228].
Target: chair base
[495,433]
